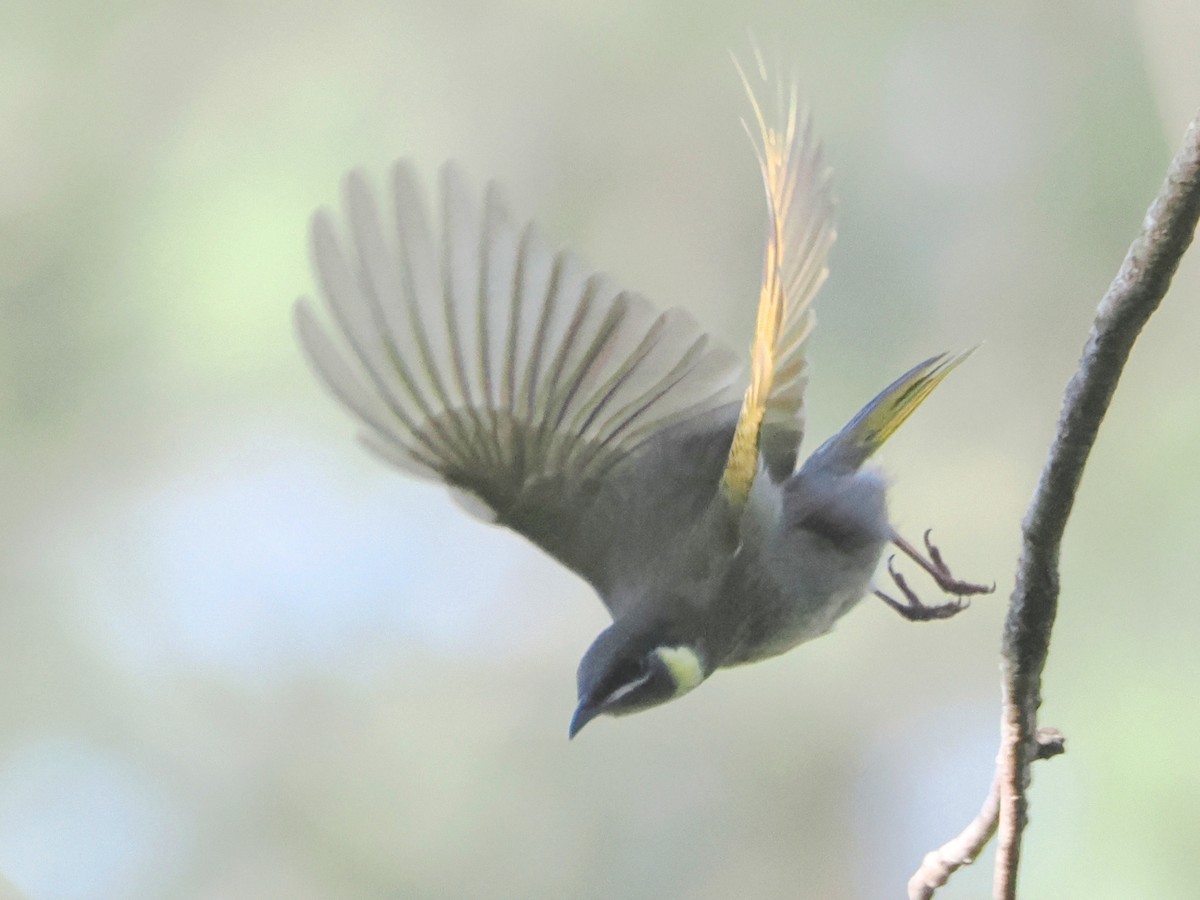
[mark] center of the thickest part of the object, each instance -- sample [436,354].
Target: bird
[621,439]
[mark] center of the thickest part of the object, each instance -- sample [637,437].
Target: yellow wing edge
[781,147]
[891,407]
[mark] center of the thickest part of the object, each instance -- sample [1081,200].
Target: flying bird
[622,440]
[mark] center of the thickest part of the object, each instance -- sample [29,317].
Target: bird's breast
[794,583]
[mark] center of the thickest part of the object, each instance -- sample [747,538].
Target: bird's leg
[937,568]
[914,610]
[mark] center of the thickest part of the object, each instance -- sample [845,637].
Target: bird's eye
[628,680]
[634,673]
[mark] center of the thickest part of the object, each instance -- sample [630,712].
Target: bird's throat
[685,666]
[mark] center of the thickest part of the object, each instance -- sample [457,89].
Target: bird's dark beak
[584,713]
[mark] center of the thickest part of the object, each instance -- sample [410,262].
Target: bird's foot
[914,610]
[938,570]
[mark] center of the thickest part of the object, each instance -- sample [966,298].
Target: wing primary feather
[628,415]
[508,384]
[459,270]
[616,427]
[553,400]
[378,280]
[799,236]
[454,229]
[330,366]
[340,293]
[410,461]
[533,371]
[472,352]
[496,295]
[482,401]
[563,331]
[328,363]
[421,290]
[625,369]
[499,305]
[591,354]
[487,233]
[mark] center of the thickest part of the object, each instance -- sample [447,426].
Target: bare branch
[1134,295]
[940,864]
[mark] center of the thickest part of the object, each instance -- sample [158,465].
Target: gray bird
[621,440]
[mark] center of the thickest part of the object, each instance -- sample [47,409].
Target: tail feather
[879,419]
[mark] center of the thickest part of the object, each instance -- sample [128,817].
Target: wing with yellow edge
[879,419]
[799,236]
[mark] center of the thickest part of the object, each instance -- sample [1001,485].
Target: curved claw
[936,566]
[913,609]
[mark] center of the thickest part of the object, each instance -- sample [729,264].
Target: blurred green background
[242,659]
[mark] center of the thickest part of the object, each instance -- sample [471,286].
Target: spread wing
[799,236]
[480,357]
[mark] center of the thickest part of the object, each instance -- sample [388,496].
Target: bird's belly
[814,563]
[789,622]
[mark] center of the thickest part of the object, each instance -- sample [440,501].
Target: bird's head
[627,670]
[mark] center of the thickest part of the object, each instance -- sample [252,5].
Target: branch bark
[1134,295]
[940,864]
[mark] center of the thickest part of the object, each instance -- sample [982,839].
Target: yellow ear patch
[684,665]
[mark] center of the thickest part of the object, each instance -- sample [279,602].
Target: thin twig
[1131,299]
[1134,295]
[940,864]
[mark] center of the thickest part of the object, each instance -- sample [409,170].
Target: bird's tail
[879,419]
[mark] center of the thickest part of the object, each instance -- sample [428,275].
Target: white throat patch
[684,665]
